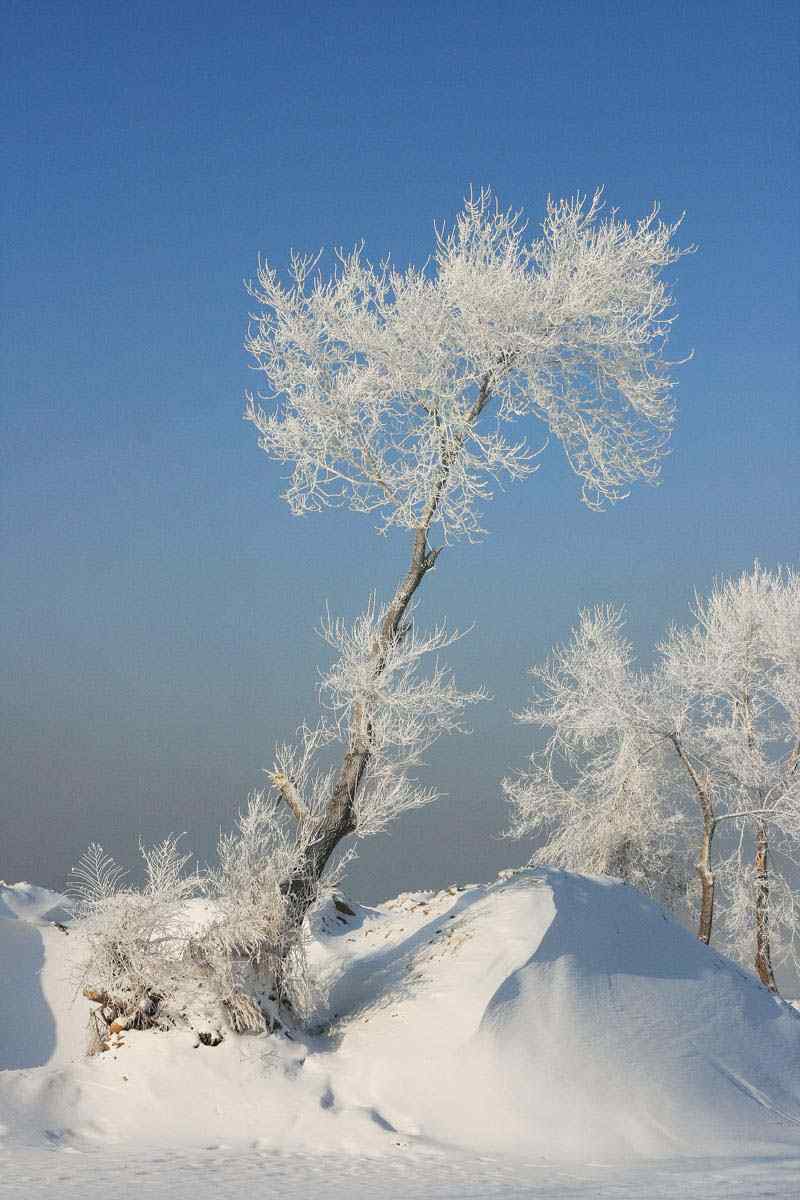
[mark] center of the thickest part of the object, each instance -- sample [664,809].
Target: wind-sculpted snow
[571,1017]
[36,905]
[546,1019]
[623,1032]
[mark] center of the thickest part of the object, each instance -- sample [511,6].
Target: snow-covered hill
[576,1009]
[547,1018]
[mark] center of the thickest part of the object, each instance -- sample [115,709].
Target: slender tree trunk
[763,954]
[703,866]
[338,820]
[707,883]
[743,709]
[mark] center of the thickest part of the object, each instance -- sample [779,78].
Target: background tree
[595,793]
[710,738]
[392,393]
[737,670]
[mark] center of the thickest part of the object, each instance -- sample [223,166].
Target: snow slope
[545,1019]
[574,1007]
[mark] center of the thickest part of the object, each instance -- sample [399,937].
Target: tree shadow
[27,1025]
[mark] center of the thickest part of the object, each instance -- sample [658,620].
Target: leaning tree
[399,394]
[390,393]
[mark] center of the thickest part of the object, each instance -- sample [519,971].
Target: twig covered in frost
[399,710]
[136,937]
[377,377]
[253,946]
[154,960]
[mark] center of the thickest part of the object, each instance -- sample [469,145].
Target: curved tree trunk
[338,820]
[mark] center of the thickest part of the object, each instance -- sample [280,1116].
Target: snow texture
[547,1035]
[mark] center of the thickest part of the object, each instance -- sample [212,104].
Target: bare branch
[288,793]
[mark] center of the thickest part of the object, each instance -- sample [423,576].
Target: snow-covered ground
[549,1035]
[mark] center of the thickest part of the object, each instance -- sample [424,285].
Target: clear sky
[158,600]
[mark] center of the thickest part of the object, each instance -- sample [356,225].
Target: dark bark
[703,866]
[338,820]
[763,959]
[707,883]
[763,954]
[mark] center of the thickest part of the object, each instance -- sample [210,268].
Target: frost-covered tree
[394,393]
[135,938]
[737,674]
[194,949]
[594,795]
[705,746]
[400,394]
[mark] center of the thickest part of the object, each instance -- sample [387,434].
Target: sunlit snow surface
[548,1035]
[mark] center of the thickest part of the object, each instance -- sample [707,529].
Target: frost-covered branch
[380,703]
[221,948]
[396,710]
[135,937]
[376,379]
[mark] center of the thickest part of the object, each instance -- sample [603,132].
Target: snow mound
[548,1016]
[623,1032]
[570,1017]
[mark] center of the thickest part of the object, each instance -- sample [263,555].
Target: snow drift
[550,1015]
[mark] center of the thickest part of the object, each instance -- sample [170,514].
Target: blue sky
[159,600]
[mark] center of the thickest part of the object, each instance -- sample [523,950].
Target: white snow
[547,1035]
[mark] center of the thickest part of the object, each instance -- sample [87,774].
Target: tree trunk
[338,819]
[706,876]
[763,954]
